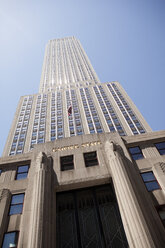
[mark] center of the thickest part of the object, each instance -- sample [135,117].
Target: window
[161,212]
[161,147]
[40,140]
[136,153]
[10,240]
[90,159]
[67,163]
[12,153]
[150,181]
[18,151]
[16,204]
[22,172]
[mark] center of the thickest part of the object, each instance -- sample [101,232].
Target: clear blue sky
[124,39]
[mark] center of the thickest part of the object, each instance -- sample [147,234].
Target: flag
[70,110]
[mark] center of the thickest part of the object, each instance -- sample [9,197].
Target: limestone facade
[36,225]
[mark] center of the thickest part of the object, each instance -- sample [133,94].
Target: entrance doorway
[89,218]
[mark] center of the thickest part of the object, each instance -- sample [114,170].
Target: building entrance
[89,218]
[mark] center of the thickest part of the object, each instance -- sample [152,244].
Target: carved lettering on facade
[71,147]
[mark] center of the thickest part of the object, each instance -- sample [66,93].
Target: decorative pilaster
[42,226]
[143,228]
[159,172]
[5,197]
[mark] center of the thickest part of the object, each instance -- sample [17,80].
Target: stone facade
[92,177]
[68,80]
[138,207]
[102,116]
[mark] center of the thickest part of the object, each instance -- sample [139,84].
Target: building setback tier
[100,108]
[65,63]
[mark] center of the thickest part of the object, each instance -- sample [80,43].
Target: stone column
[42,223]
[141,222]
[159,172]
[5,197]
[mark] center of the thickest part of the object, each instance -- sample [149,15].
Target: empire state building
[68,79]
[81,167]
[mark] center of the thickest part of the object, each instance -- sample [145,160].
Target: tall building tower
[81,167]
[69,80]
[66,64]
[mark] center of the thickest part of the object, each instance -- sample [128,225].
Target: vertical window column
[42,123]
[124,111]
[22,126]
[113,115]
[76,112]
[53,117]
[108,111]
[70,117]
[131,114]
[87,112]
[92,107]
[39,125]
[60,124]
[75,123]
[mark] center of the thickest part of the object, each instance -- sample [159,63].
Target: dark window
[161,212]
[67,163]
[150,181]
[135,153]
[90,159]
[161,147]
[16,204]
[22,172]
[10,240]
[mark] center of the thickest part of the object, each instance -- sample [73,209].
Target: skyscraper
[69,80]
[65,64]
[81,167]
